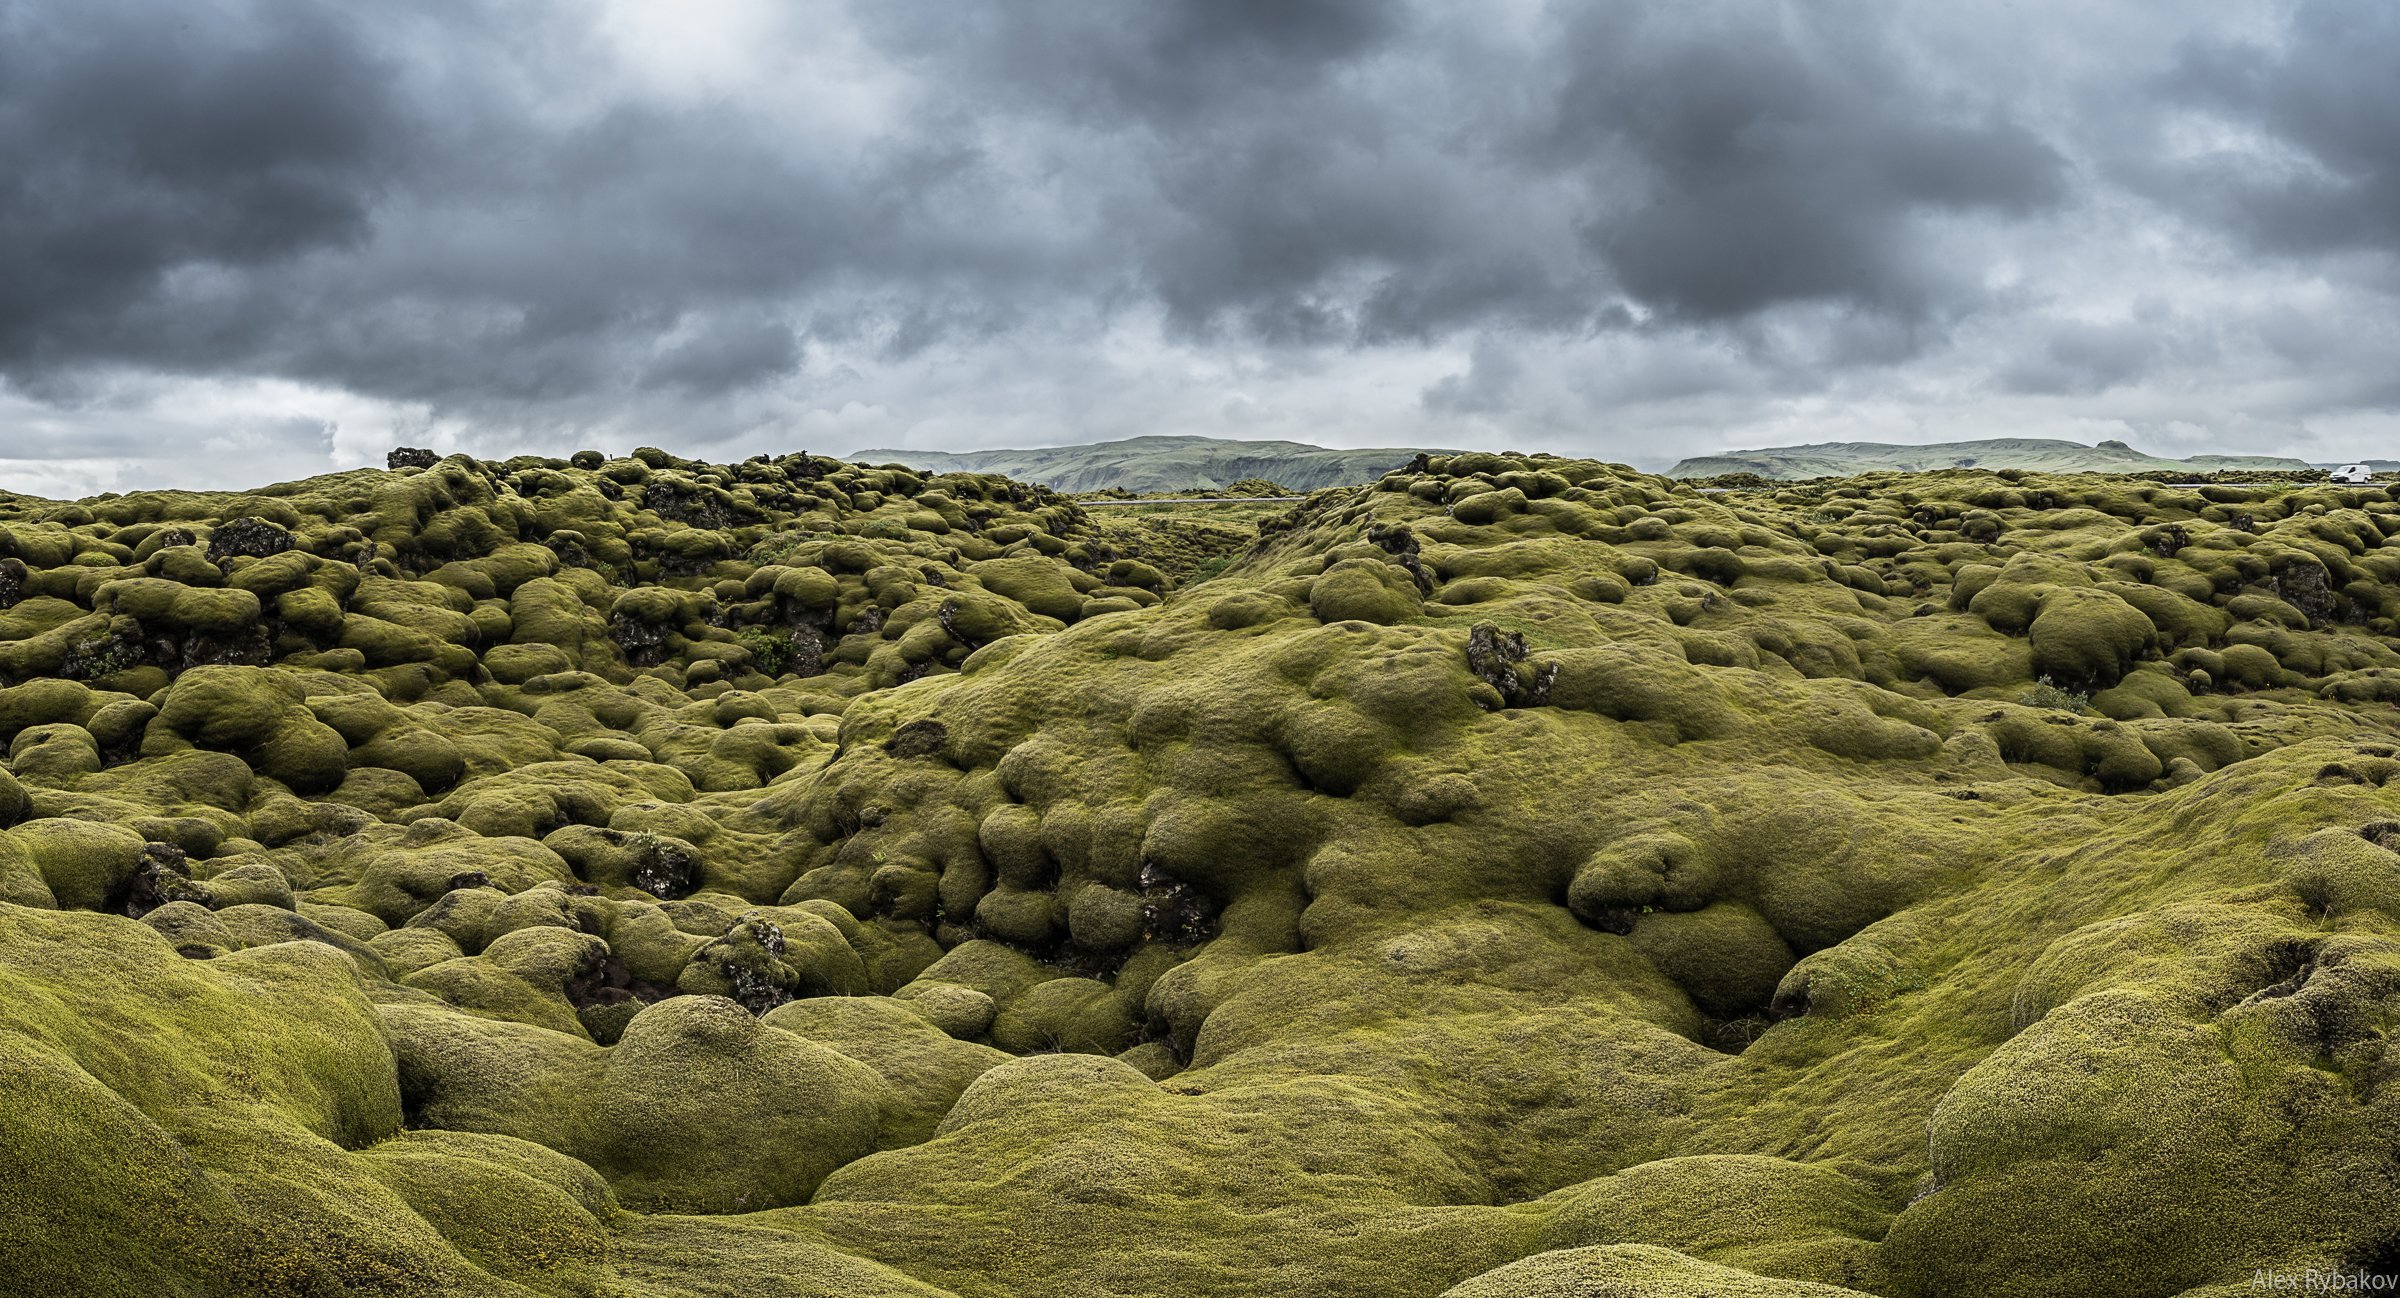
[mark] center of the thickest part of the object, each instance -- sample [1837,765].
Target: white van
[2353,473]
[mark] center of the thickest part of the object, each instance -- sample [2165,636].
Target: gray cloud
[497,224]
[136,147]
[2082,358]
[724,352]
[1166,64]
[1744,156]
[2326,95]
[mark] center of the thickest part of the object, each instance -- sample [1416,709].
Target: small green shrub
[770,653]
[2046,694]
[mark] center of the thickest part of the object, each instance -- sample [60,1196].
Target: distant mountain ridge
[1147,464]
[1842,459]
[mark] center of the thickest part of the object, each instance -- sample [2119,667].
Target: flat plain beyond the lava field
[1512,876]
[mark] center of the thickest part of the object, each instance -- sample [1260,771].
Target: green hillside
[1842,459]
[647,878]
[1152,464]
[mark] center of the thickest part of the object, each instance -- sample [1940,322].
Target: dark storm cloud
[1745,156]
[725,353]
[1276,169]
[2084,358]
[340,196]
[135,144]
[1164,64]
[1485,388]
[1320,172]
[514,213]
[2327,92]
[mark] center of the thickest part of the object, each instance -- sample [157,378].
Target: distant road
[1706,491]
[1193,500]
[1711,491]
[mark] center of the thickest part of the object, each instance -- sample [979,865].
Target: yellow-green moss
[1518,874]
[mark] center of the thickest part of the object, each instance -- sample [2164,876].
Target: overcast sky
[253,239]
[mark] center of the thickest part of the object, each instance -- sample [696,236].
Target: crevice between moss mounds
[748,959]
[1499,659]
[2376,1265]
[163,876]
[690,505]
[921,738]
[642,642]
[1398,541]
[666,870]
[251,538]
[948,618]
[2288,966]
[606,995]
[2305,587]
[1173,911]
[124,648]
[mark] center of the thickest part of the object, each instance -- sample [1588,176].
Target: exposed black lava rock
[252,537]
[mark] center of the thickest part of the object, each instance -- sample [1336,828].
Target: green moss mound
[634,875]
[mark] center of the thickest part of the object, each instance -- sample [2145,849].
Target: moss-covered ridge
[1519,875]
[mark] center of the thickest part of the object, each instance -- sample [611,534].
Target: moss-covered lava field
[1517,877]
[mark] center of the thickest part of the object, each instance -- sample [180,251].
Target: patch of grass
[2047,694]
[769,652]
